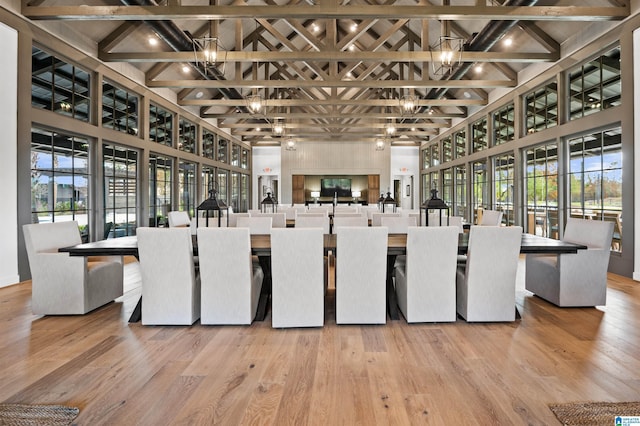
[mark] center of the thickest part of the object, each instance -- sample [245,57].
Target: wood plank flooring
[429,374]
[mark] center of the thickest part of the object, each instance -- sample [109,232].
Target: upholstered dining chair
[486,283]
[398,225]
[256,225]
[298,289]
[310,221]
[376,218]
[233,218]
[278,220]
[491,218]
[578,279]
[63,284]
[426,280]
[348,221]
[361,275]
[170,288]
[230,281]
[179,219]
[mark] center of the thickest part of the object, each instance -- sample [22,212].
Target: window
[187,187]
[479,135]
[244,159]
[541,106]
[447,150]
[595,179]
[60,177]
[160,125]
[503,125]
[120,190]
[119,109]
[223,185]
[595,86]
[208,144]
[59,86]
[208,181]
[434,183]
[235,190]
[503,181]
[235,155]
[479,187]
[159,189]
[541,186]
[435,155]
[187,136]
[245,185]
[460,141]
[447,186]
[426,158]
[460,191]
[223,150]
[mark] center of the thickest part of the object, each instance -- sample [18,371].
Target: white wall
[266,163]
[8,153]
[405,164]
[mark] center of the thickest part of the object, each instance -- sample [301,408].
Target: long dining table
[261,247]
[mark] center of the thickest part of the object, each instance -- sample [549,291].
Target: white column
[8,154]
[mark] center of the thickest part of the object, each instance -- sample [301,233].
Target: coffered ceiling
[329,70]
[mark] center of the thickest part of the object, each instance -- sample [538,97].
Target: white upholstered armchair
[63,284]
[578,279]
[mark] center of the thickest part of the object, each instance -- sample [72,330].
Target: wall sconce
[291,145]
[315,195]
[379,145]
[356,195]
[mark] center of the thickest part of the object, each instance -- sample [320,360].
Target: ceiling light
[478,69]
[508,41]
[352,47]
[199,95]
[390,129]
[315,27]
[153,41]
[185,69]
[291,145]
[467,95]
[349,75]
[408,105]
[207,55]
[258,129]
[446,54]
[354,27]
[255,103]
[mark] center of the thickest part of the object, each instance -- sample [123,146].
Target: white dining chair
[486,283]
[398,225]
[426,280]
[170,287]
[578,279]
[491,218]
[63,284]
[310,221]
[233,218]
[298,288]
[256,225]
[279,220]
[347,221]
[230,281]
[376,218]
[361,275]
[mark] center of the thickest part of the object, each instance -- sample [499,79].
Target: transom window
[479,135]
[208,144]
[447,150]
[160,125]
[595,86]
[187,136]
[460,141]
[119,109]
[59,86]
[223,150]
[504,125]
[541,107]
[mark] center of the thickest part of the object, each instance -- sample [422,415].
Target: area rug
[40,415]
[594,413]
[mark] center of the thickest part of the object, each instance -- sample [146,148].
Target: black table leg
[136,315]
[392,302]
[265,292]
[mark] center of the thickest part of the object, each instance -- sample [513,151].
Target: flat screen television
[331,186]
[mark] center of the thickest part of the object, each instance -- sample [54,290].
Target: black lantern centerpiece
[435,204]
[269,204]
[380,202]
[389,204]
[213,207]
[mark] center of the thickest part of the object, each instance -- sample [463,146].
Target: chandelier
[408,105]
[255,104]
[277,128]
[208,55]
[446,54]
[291,144]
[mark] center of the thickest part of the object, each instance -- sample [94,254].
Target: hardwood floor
[120,374]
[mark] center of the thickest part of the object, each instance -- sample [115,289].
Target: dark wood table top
[261,245]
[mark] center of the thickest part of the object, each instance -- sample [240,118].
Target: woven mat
[594,413]
[40,415]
